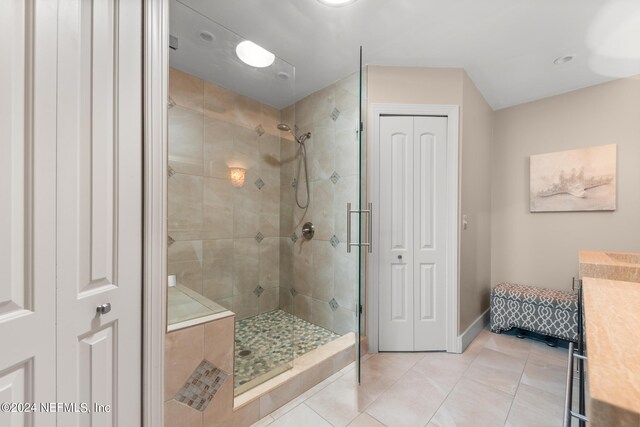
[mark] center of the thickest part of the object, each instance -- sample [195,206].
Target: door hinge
[361,126]
[360,308]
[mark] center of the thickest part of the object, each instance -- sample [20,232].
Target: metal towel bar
[568,400]
[579,355]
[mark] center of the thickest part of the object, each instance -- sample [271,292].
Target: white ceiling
[217,62]
[506,46]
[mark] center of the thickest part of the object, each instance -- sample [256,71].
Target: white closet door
[28,30]
[396,234]
[99,209]
[412,251]
[430,231]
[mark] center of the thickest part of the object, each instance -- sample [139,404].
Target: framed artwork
[574,180]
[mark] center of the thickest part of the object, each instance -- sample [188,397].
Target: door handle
[104,308]
[370,223]
[369,243]
[349,212]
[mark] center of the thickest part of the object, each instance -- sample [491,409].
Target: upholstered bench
[544,311]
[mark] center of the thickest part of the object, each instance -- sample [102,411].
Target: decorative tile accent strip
[294,237]
[258,291]
[333,304]
[293,292]
[267,341]
[259,237]
[334,241]
[259,183]
[335,114]
[335,177]
[259,130]
[202,385]
[170,240]
[170,172]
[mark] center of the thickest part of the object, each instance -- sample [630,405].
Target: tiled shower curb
[308,370]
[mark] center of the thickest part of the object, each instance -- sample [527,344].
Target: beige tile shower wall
[214,224]
[320,272]
[542,248]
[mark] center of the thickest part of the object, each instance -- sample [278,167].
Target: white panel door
[412,250]
[396,311]
[429,243]
[28,30]
[99,210]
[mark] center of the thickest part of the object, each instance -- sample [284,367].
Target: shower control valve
[308,230]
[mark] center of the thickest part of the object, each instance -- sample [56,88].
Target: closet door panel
[429,246]
[396,234]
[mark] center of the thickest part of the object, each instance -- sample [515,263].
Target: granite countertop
[612,325]
[621,266]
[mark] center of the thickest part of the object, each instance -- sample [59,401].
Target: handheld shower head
[299,139]
[302,160]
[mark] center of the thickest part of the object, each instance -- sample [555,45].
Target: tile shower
[241,247]
[225,240]
[322,286]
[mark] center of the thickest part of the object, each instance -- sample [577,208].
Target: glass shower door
[365,212]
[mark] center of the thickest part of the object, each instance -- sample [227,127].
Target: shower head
[299,139]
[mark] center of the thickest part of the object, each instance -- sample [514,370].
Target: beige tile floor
[498,381]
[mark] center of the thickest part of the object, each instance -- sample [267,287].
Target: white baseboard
[473,330]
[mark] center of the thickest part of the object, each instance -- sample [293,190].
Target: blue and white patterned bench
[544,311]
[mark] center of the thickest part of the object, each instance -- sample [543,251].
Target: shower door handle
[370,226]
[369,212]
[349,212]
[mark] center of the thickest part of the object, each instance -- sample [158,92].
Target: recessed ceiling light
[564,59]
[282,75]
[254,55]
[206,36]
[336,2]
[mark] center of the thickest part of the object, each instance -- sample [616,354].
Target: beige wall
[452,86]
[475,203]
[542,248]
[410,85]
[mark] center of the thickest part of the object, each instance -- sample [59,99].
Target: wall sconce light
[236,175]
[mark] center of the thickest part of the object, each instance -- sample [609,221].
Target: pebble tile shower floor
[269,340]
